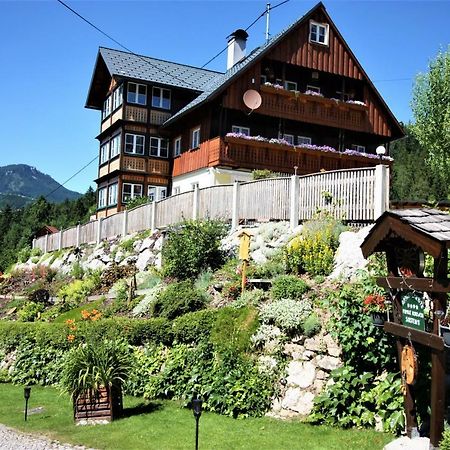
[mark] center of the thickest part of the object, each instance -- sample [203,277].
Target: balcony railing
[145,165]
[313,109]
[235,152]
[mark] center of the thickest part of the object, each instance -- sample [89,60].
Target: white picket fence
[355,195]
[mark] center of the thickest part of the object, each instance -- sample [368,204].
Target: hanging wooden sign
[413,310]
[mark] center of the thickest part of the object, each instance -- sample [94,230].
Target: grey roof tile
[156,70]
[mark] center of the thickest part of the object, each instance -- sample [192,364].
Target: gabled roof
[425,227]
[130,65]
[221,82]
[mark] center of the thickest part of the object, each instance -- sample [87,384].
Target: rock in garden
[313,344]
[299,401]
[329,363]
[144,259]
[405,443]
[301,374]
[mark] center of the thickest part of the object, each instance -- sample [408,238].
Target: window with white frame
[161,98]
[195,138]
[104,152]
[101,197]
[303,140]
[115,146]
[310,87]
[112,194]
[290,85]
[117,97]
[240,130]
[289,138]
[359,148]
[106,108]
[134,143]
[158,147]
[318,32]
[131,191]
[137,93]
[155,193]
[263,79]
[177,146]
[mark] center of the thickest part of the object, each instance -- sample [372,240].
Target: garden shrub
[77,271]
[144,307]
[39,296]
[73,294]
[36,252]
[191,328]
[30,311]
[313,250]
[445,442]
[268,337]
[270,269]
[23,254]
[178,299]
[250,297]
[288,286]
[357,399]
[287,314]
[234,328]
[193,247]
[311,325]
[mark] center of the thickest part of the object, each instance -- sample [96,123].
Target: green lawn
[166,426]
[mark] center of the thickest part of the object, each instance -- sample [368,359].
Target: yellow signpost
[244,255]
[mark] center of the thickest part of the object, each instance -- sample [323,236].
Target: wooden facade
[345,113]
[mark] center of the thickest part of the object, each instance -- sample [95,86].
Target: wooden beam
[421,337]
[413,283]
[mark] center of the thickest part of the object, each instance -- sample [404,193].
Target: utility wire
[159,69]
[74,175]
[246,29]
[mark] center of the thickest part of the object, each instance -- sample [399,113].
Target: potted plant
[375,305]
[93,375]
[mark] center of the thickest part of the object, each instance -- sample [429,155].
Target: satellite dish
[252,99]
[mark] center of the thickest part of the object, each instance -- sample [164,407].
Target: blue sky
[47,56]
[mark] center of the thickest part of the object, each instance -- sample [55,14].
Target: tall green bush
[193,247]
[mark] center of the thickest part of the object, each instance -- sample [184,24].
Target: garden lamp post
[380,151]
[197,410]
[26,394]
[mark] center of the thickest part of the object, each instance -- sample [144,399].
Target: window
[176,190]
[130,191]
[343,95]
[102,197]
[290,85]
[134,143]
[112,194]
[309,87]
[137,93]
[302,140]
[318,33]
[161,98]
[156,193]
[177,146]
[195,141]
[117,97]
[158,147]
[359,148]
[115,146]
[289,138]
[106,108]
[104,153]
[263,79]
[240,130]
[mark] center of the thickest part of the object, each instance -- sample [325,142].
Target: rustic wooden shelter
[405,236]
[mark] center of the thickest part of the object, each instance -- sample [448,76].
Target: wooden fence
[355,195]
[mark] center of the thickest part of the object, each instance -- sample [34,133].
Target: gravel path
[15,440]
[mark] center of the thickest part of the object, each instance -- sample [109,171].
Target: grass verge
[166,426]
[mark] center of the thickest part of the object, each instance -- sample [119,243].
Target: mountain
[21,184]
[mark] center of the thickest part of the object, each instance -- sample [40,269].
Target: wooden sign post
[405,236]
[244,255]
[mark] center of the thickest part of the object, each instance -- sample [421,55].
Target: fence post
[60,237]
[195,202]
[78,243]
[293,207]
[99,229]
[46,243]
[235,206]
[153,217]
[381,191]
[125,223]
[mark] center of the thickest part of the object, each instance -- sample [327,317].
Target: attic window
[318,33]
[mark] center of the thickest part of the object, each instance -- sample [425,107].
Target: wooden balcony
[148,166]
[313,109]
[239,153]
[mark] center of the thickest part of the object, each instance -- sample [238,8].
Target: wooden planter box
[99,406]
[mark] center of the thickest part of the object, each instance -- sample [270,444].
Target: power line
[73,176]
[246,29]
[159,69]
